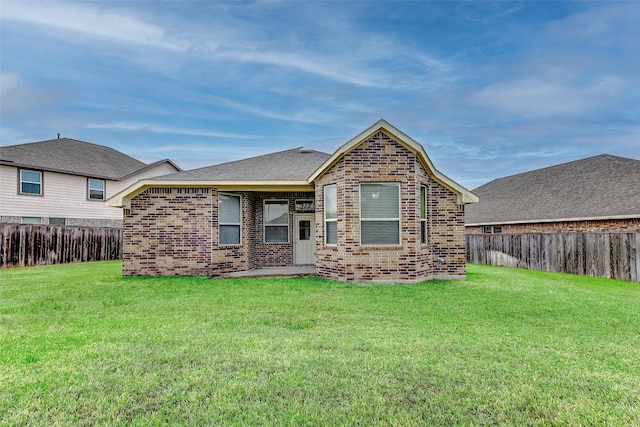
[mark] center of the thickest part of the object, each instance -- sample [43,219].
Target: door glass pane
[304,229]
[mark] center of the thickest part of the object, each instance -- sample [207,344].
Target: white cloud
[90,21]
[155,128]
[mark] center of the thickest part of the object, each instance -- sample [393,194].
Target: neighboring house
[65,182]
[600,193]
[375,210]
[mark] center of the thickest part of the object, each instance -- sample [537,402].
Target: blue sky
[488,88]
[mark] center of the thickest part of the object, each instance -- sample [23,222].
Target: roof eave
[123,198]
[548,220]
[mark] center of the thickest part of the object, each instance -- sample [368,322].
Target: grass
[80,345]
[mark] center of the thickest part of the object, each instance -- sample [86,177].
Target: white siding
[65,196]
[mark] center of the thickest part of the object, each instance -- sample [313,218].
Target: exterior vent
[305,150]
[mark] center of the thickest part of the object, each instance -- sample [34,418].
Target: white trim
[324,208]
[239,224]
[312,220]
[123,198]
[465,195]
[40,183]
[89,188]
[399,218]
[264,221]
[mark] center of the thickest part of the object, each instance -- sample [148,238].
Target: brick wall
[167,231]
[381,159]
[632,224]
[174,231]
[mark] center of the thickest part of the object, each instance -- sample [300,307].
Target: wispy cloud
[90,21]
[155,128]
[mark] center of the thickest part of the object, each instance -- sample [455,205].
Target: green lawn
[81,345]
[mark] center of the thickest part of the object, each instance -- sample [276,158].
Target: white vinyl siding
[65,195]
[276,221]
[380,213]
[330,215]
[230,219]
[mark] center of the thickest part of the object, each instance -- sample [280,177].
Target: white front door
[305,242]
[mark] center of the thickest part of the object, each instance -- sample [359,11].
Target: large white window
[229,219]
[96,189]
[423,215]
[380,213]
[276,221]
[330,215]
[30,182]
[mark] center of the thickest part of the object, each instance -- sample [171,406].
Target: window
[489,229]
[276,221]
[31,220]
[96,189]
[380,214]
[330,215]
[423,215]
[229,219]
[57,221]
[30,182]
[304,205]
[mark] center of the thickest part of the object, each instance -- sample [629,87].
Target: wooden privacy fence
[614,255]
[22,244]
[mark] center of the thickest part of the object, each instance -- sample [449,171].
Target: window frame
[239,224]
[423,218]
[491,229]
[33,218]
[21,181]
[103,189]
[382,219]
[266,202]
[327,220]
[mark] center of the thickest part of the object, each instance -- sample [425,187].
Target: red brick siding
[632,224]
[167,231]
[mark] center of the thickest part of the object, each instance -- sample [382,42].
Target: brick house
[375,210]
[600,193]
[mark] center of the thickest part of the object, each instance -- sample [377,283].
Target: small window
[229,219]
[380,213]
[423,215]
[57,221]
[490,229]
[276,221]
[30,182]
[96,189]
[305,205]
[330,215]
[31,220]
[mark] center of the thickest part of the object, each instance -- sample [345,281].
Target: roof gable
[71,156]
[465,195]
[602,186]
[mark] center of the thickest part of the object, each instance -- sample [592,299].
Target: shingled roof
[290,165]
[597,187]
[74,157]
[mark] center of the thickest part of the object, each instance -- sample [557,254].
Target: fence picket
[602,254]
[23,244]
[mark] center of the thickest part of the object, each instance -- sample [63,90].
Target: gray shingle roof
[600,186]
[290,165]
[71,156]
